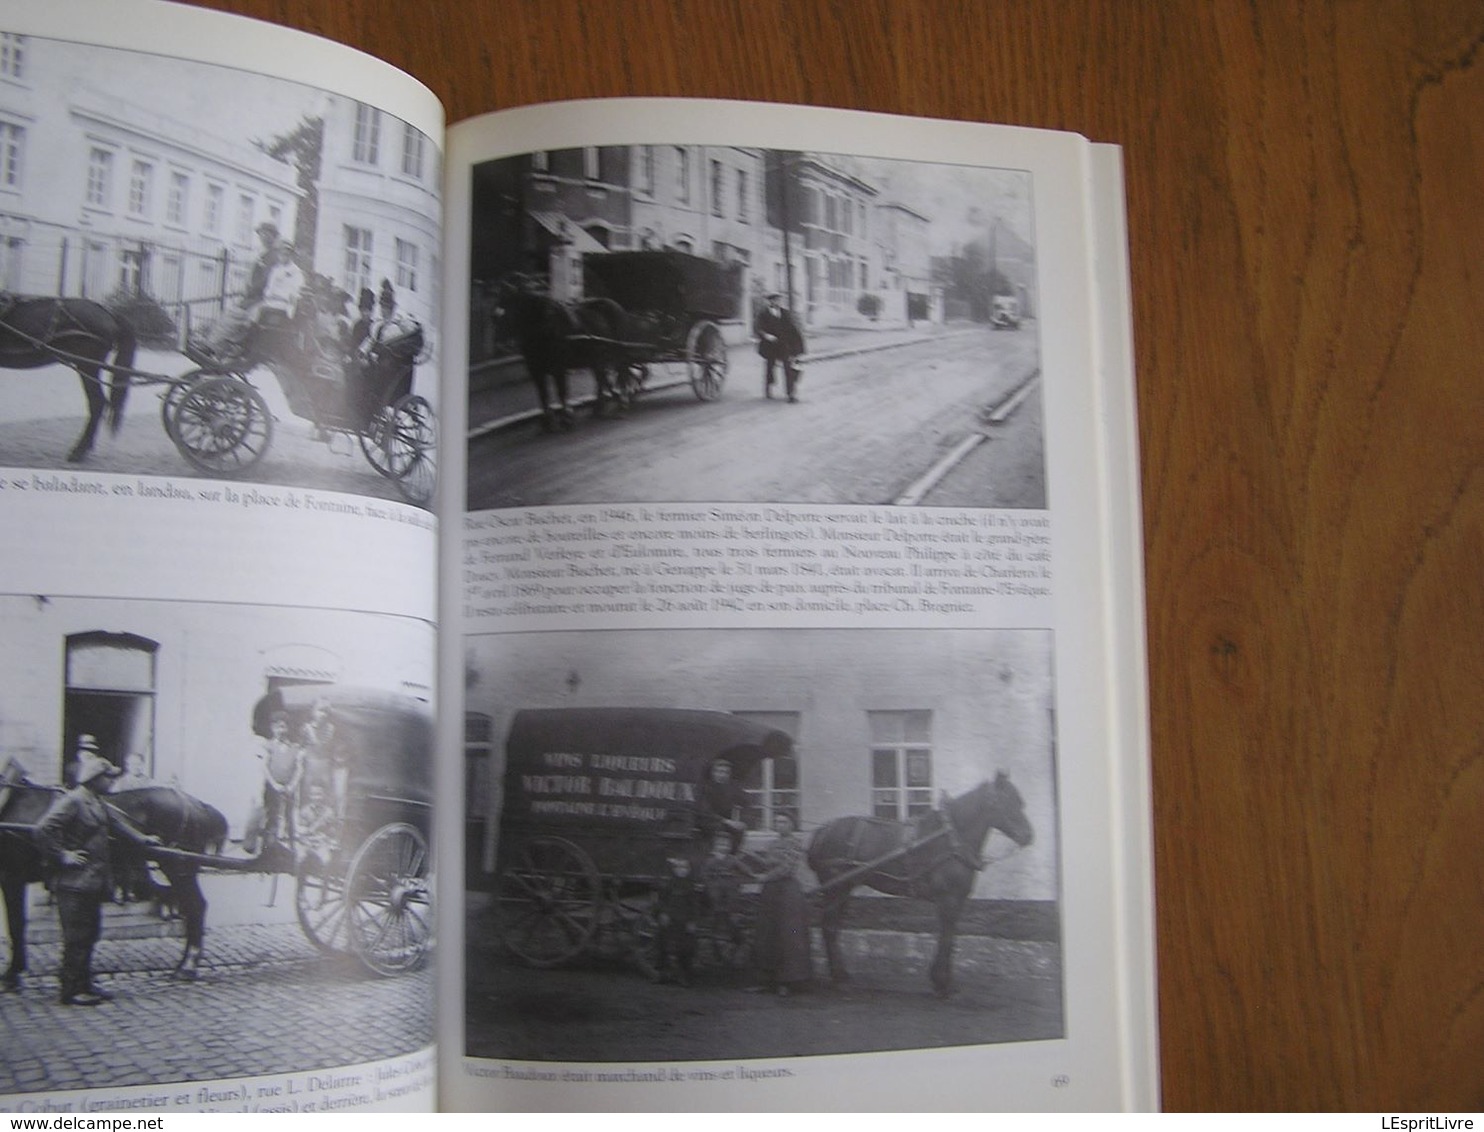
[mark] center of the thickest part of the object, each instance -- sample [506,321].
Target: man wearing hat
[720,803]
[75,835]
[778,340]
[230,332]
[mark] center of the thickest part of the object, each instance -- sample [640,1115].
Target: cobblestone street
[267,1002]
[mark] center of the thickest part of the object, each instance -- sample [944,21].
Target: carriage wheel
[411,448]
[706,360]
[549,899]
[170,402]
[222,425]
[373,441]
[389,900]
[319,902]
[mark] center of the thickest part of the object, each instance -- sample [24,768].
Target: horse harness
[912,840]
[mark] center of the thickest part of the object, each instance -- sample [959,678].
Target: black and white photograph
[213,274]
[697,845]
[668,323]
[215,830]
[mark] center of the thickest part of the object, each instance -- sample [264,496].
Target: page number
[1060,1081]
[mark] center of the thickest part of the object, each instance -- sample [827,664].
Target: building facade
[176,683]
[377,215]
[100,195]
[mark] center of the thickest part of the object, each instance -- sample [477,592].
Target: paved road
[267,1002]
[611,1013]
[868,426]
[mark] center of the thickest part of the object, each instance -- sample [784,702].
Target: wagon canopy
[390,735]
[639,768]
[674,283]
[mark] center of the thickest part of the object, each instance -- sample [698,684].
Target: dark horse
[180,821]
[80,333]
[935,857]
[554,338]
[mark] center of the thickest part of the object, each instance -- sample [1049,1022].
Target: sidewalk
[500,394]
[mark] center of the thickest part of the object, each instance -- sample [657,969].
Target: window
[216,199]
[412,152]
[717,187]
[590,166]
[406,265]
[12,250]
[901,763]
[12,145]
[366,145]
[742,213]
[12,55]
[773,784]
[141,188]
[133,276]
[100,177]
[357,258]
[177,199]
[682,175]
[246,210]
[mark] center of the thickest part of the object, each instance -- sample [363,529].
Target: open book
[722,517]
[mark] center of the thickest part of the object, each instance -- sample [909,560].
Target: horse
[36,332]
[935,857]
[554,338]
[179,820]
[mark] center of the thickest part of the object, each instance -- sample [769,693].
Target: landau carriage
[214,415]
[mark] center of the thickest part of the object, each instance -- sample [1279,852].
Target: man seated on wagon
[283,282]
[720,802]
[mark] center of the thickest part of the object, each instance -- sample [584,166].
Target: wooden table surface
[1307,240]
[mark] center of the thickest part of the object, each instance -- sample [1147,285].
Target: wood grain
[1308,261]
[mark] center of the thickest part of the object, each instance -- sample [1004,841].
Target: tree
[303,148]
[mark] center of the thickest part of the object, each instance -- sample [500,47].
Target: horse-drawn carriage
[364,879]
[213,414]
[673,306]
[222,424]
[364,872]
[642,309]
[599,805]
[600,802]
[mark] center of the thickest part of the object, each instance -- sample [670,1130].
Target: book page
[219,247]
[796,598]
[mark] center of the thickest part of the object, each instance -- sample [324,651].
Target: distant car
[1005,313]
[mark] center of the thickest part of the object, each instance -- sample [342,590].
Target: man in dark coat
[720,803]
[76,835]
[778,340]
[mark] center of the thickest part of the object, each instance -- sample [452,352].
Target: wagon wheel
[389,905]
[549,899]
[373,440]
[170,402]
[222,425]
[411,447]
[319,902]
[706,360]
